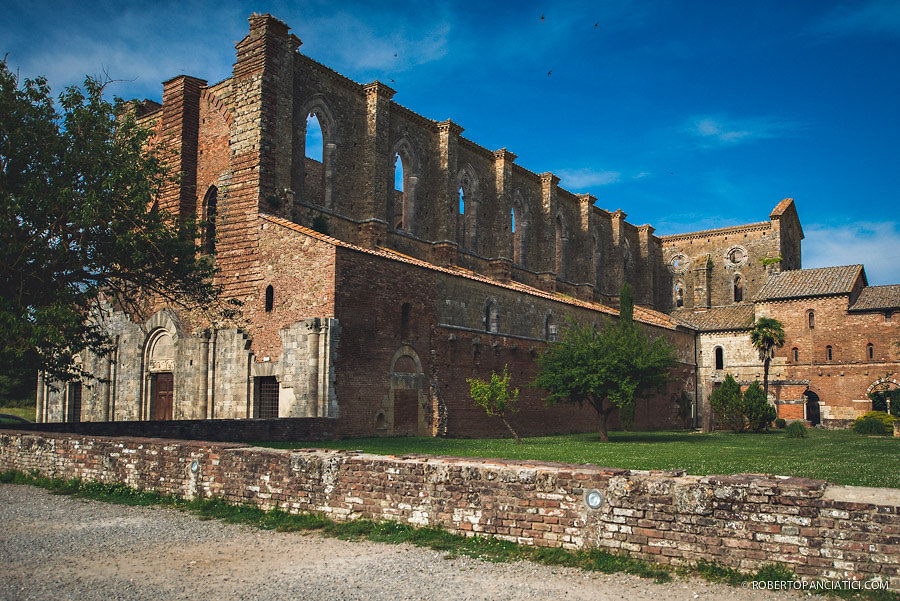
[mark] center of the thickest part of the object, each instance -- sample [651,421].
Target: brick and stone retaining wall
[744,521]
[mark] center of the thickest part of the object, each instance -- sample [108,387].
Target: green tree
[79,225]
[728,405]
[606,368]
[757,409]
[767,335]
[495,397]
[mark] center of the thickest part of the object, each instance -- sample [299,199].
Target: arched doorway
[812,408]
[160,377]
[404,410]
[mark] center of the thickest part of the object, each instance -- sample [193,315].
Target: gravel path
[57,547]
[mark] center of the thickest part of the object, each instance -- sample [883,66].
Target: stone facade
[744,521]
[474,264]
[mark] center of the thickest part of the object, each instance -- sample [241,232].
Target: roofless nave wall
[460,203]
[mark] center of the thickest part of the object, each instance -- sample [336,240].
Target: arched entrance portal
[812,408]
[160,377]
[404,410]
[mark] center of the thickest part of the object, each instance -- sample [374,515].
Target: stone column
[313,325]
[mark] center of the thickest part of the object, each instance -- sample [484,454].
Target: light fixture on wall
[593,498]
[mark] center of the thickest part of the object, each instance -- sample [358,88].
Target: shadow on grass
[654,437]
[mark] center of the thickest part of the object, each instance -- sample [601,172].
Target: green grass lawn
[839,456]
[26,412]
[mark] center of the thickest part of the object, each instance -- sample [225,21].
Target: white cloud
[876,16]
[576,179]
[875,245]
[720,130]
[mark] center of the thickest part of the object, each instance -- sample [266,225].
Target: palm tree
[767,335]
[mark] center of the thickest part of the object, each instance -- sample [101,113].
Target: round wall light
[593,498]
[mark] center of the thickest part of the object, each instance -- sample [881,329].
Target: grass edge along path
[438,539]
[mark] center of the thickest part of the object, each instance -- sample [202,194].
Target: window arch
[595,264]
[466,225]
[270,298]
[811,318]
[560,247]
[679,294]
[518,228]
[210,212]
[738,288]
[795,353]
[406,179]
[720,358]
[319,145]
[491,319]
[870,352]
[829,353]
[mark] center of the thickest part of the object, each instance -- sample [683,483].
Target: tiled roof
[641,314]
[799,283]
[878,297]
[731,317]
[781,207]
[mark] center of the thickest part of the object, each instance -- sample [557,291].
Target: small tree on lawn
[767,335]
[727,404]
[757,408]
[607,368]
[495,397]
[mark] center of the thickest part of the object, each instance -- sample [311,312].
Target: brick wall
[842,382]
[742,521]
[447,335]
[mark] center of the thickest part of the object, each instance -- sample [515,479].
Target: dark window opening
[796,354]
[404,321]
[267,407]
[270,299]
[679,295]
[829,353]
[738,289]
[720,358]
[560,252]
[812,320]
[870,351]
[211,209]
[74,402]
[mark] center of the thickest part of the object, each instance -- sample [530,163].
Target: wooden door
[162,396]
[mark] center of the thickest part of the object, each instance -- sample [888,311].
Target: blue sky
[686,115]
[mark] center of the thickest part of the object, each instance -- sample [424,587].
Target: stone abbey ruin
[474,264]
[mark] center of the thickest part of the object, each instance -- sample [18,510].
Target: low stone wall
[743,521]
[221,430]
